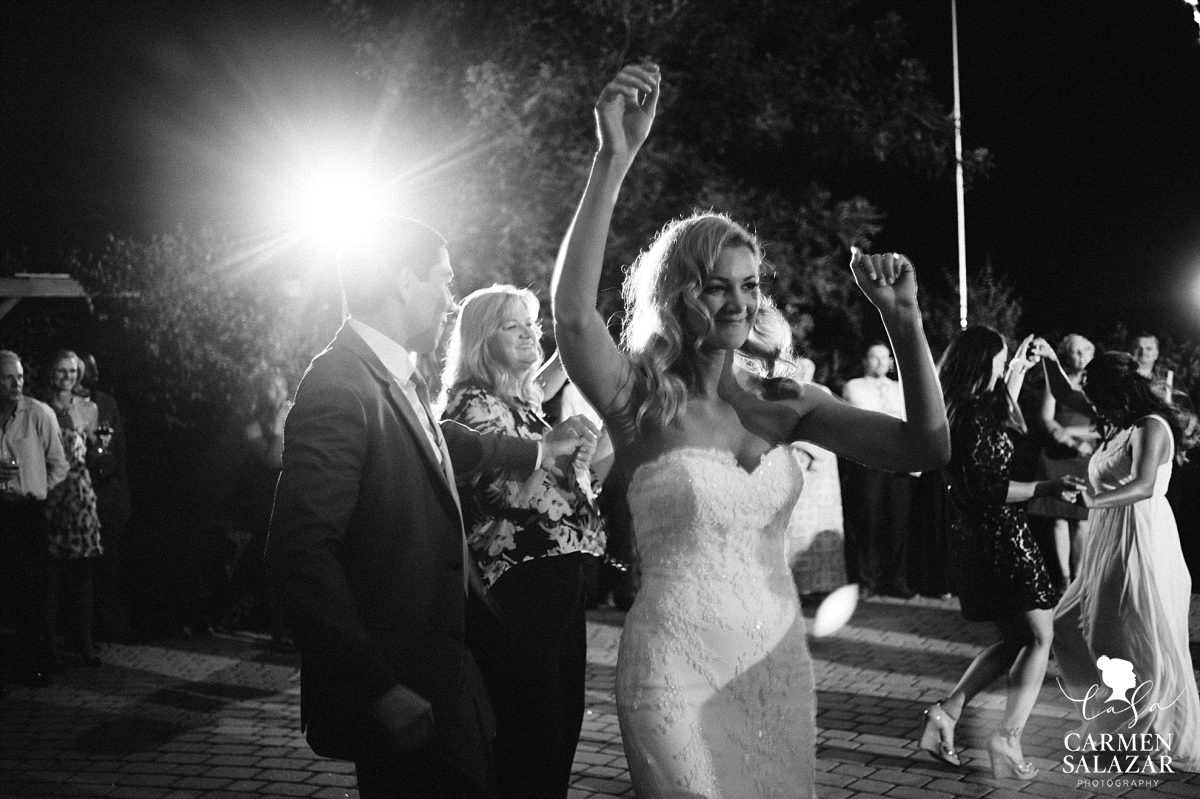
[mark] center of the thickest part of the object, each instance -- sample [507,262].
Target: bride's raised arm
[921,441]
[624,114]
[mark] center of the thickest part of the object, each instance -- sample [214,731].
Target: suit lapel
[410,415]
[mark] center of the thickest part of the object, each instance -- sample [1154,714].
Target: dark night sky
[122,116]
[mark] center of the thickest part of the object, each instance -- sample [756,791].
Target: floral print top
[73,523]
[511,521]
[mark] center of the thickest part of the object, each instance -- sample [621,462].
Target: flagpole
[958,176]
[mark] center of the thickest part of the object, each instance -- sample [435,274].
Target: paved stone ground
[218,718]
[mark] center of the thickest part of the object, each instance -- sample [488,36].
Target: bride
[715,689]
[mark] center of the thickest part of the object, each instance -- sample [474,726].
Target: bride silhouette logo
[1100,747]
[1118,675]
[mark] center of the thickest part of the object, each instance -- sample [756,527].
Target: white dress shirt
[876,394]
[402,364]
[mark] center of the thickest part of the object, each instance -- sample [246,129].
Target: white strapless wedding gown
[715,689]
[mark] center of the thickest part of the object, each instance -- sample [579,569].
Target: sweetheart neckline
[718,454]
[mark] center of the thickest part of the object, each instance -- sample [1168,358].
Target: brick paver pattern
[219,718]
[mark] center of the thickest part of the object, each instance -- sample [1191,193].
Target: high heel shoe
[1004,748]
[939,732]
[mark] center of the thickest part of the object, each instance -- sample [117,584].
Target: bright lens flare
[337,207]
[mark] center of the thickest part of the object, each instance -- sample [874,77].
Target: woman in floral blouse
[529,539]
[73,523]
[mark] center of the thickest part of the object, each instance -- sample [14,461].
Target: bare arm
[552,376]
[1064,488]
[624,114]
[1152,446]
[1049,408]
[1057,382]
[920,442]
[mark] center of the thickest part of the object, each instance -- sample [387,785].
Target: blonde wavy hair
[667,322]
[471,355]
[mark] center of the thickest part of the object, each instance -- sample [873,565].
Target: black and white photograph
[575,399]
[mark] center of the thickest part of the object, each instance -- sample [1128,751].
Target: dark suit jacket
[365,551]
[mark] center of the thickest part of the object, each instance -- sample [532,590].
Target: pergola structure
[26,284]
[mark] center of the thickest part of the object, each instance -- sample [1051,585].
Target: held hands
[625,110]
[1029,354]
[565,440]
[407,716]
[1068,488]
[1040,348]
[888,280]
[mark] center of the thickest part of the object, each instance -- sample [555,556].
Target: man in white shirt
[366,547]
[876,503]
[31,463]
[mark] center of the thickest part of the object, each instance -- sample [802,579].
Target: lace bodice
[1112,465]
[698,515]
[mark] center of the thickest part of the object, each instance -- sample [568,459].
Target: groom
[366,546]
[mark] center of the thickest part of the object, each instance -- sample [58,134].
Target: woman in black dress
[1002,577]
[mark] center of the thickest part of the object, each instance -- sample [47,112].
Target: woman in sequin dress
[1002,577]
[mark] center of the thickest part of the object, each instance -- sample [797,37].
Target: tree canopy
[778,113]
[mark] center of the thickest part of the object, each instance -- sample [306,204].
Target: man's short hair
[393,244]
[9,355]
[877,343]
[1144,334]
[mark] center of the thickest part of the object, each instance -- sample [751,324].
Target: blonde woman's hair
[471,356]
[668,323]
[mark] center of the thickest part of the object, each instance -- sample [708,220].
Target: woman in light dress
[1130,599]
[714,681]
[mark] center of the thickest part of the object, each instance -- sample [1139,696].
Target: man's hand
[564,440]
[281,418]
[407,716]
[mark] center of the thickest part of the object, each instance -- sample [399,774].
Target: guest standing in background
[529,539]
[110,481]
[875,502]
[260,426]
[1071,423]
[1131,597]
[1145,353]
[816,540]
[1002,576]
[32,463]
[73,523]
